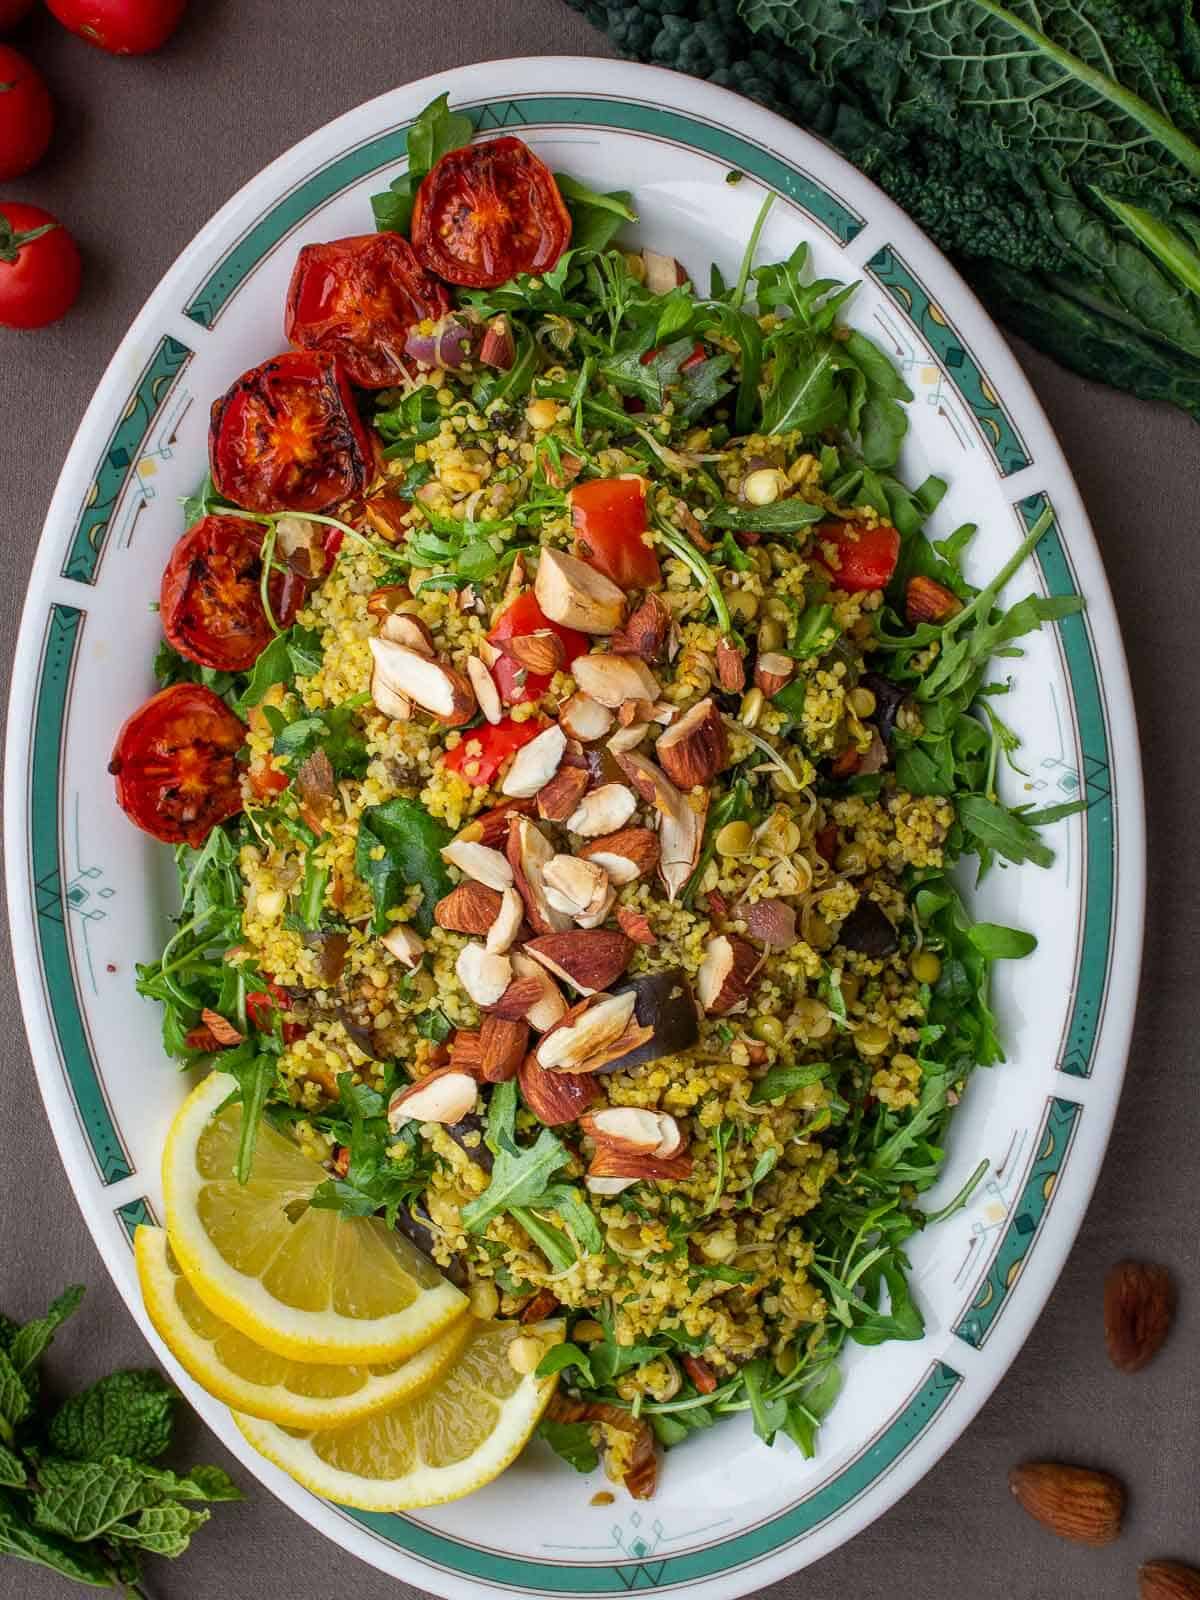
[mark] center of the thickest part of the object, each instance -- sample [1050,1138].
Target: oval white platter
[89,896]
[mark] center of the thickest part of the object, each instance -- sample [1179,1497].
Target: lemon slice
[445,1442]
[300,1394]
[313,1285]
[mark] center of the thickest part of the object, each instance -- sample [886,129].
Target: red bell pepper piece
[867,557]
[521,616]
[482,751]
[609,515]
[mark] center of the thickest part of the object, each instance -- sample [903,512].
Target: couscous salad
[566,733]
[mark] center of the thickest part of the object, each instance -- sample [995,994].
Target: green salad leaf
[400,844]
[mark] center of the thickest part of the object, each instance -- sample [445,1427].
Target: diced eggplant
[416,1230]
[664,1002]
[889,697]
[478,1153]
[869,931]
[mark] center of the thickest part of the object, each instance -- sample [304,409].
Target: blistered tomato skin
[176,764]
[211,599]
[488,211]
[357,299]
[287,436]
[867,557]
[609,518]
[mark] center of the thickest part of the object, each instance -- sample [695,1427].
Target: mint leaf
[21,1539]
[125,1414]
[82,1499]
[15,1399]
[200,1483]
[12,1469]
[161,1530]
[31,1342]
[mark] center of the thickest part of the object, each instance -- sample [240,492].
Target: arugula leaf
[385,1173]
[994,829]
[335,731]
[561,1356]
[126,1414]
[572,1441]
[399,844]
[769,1413]
[785,516]
[596,219]
[434,133]
[255,1069]
[295,653]
[520,1176]
[573,1208]
[608,1360]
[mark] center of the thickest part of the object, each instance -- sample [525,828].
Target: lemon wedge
[298,1394]
[446,1442]
[313,1285]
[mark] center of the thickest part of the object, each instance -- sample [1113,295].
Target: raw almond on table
[1168,1580]
[1139,1302]
[1074,1502]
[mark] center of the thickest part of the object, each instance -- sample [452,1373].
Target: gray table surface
[145,152]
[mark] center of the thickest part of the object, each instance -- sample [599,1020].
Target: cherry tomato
[176,764]
[265,780]
[40,269]
[483,750]
[521,616]
[287,437]
[26,114]
[211,602]
[487,212]
[609,515]
[697,355]
[12,12]
[357,299]
[122,27]
[867,557]
[261,1003]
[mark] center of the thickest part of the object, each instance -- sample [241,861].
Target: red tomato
[483,750]
[211,605]
[287,437]
[122,27]
[26,114]
[176,764]
[487,212]
[40,269]
[521,616]
[867,557]
[12,12]
[265,781]
[609,515]
[698,354]
[356,299]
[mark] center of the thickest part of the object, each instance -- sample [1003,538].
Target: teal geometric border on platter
[120,454]
[1051,1147]
[1095,944]
[135,1214]
[893,274]
[59,653]
[626,116]
[619,1577]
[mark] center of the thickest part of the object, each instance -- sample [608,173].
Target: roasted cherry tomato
[484,750]
[12,12]
[867,557]
[487,212]
[176,764]
[265,780]
[211,602]
[122,27]
[521,616]
[609,515]
[40,268]
[26,114]
[287,437]
[357,299]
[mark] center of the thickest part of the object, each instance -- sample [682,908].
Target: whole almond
[1168,1580]
[541,652]
[503,1043]
[556,800]
[1139,1301]
[471,908]
[556,1098]
[1074,1502]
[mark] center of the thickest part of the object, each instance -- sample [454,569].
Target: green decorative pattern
[1100,908]
[629,116]
[120,456]
[1051,1149]
[663,1571]
[59,979]
[133,1214]
[893,274]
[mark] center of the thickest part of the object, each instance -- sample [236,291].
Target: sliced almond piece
[466,1051]
[603,810]
[485,689]
[550,1007]
[401,627]
[509,917]
[563,793]
[528,852]
[625,855]
[679,835]
[555,1098]
[484,975]
[589,960]
[694,749]
[491,827]
[585,1032]
[614,679]
[578,887]
[773,671]
[645,634]
[445,1095]
[398,707]
[405,944]
[576,595]
[607,1186]
[470,908]
[650,781]
[584,719]
[636,925]
[513,1005]
[541,652]
[731,667]
[503,1044]
[627,1127]
[535,763]
[432,685]
[671,1140]
[628,738]
[724,980]
[479,861]
[609,1162]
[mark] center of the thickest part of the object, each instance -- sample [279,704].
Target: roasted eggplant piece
[666,1004]
[889,697]
[869,931]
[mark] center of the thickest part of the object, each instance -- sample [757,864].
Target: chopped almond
[503,1044]
[446,1095]
[405,944]
[773,671]
[724,980]
[588,959]
[556,1098]
[549,1007]
[731,667]
[535,763]
[483,975]
[613,679]
[222,1031]
[541,652]
[471,908]
[479,861]
[400,627]
[603,810]
[502,934]
[636,925]
[926,600]
[694,749]
[645,634]
[577,596]
[528,853]
[559,798]
[584,719]
[625,855]
[435,687]
[485,689]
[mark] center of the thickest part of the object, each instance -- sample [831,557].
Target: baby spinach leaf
[436,132]
[596,219]
[399,844]
[1001,944]
[783,1080]
[572,1441]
